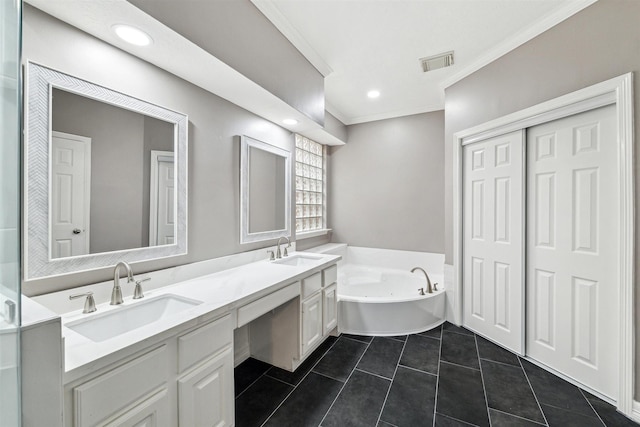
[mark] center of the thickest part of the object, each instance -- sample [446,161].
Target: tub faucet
[429,288]
[116,293]
[281,254]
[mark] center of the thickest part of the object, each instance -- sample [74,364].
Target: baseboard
[635,412]
[452,296]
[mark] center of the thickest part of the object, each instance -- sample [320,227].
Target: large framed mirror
[105,176]
[265,191]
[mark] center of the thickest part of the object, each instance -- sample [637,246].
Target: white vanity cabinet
[286,335]
[185,380]
[319,308]
[329,308]
[311,310]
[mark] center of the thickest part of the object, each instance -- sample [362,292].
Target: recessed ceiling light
[290,121]
[132,35]
[373,93]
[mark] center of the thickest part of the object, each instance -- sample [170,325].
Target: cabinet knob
[77,231]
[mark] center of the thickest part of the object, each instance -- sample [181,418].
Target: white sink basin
[298,260]
[123,319]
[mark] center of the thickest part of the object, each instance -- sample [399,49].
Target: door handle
[77,231]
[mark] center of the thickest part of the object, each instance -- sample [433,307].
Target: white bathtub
[378,294]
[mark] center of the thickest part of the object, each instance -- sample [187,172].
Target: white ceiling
[361,45]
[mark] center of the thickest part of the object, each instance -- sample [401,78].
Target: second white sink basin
[298,260]
[102,327]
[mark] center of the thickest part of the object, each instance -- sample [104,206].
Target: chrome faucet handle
[421,291]
[272,257]
[285,253]
[435,286]
[89,303]
[137,292]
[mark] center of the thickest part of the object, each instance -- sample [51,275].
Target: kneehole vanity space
[177,369]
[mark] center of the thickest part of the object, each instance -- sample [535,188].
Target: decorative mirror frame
[37,259]
[245,236]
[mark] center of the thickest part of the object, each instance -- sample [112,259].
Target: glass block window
[310,185]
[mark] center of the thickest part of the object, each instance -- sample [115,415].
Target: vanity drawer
[204,342]
[311,284]
[107,394]
[330,275]
[257,308]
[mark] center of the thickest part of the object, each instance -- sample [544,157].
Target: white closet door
[572,248]
[493,210]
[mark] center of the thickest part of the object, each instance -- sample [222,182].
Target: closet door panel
[493,239]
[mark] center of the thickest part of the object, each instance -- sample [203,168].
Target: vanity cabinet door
[329,308]
[205,395]
[311,322]
[153,412]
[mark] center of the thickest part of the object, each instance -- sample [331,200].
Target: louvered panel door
[493,210]
[572,248]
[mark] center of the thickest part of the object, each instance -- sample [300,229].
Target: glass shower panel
[10,16]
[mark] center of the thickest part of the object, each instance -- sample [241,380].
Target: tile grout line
[516,416]
[347,380]
[592,408]
[459,420]
[500,363]
[533,391]
[294,386]
[435,400]
[484,389]
[419,370]
[374,374]
[384,402]
[255,381]
[460,366]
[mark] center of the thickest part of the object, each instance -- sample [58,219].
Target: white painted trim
[271,11]
[245,236]
[635,414]
[37,134]
[153,194]
[518,39]
[618,90]
[310,234]
[391,114]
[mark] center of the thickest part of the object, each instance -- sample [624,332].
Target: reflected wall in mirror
[101,202]
[106,176]
[265,191]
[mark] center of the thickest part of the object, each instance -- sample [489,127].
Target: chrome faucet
[281,254]
[116,293]
[429,288]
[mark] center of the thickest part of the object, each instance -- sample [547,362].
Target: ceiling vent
[442,60]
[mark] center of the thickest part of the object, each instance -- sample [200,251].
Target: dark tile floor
[444,377]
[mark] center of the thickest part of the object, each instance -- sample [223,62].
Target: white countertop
[219,292]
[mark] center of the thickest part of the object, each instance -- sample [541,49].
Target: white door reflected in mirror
[162,209]
[71,194]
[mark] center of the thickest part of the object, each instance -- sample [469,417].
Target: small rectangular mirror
[265,191]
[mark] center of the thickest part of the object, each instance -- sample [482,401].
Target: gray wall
[238,34]
[335,127]
[214,124]
[386,186]
[596,44]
